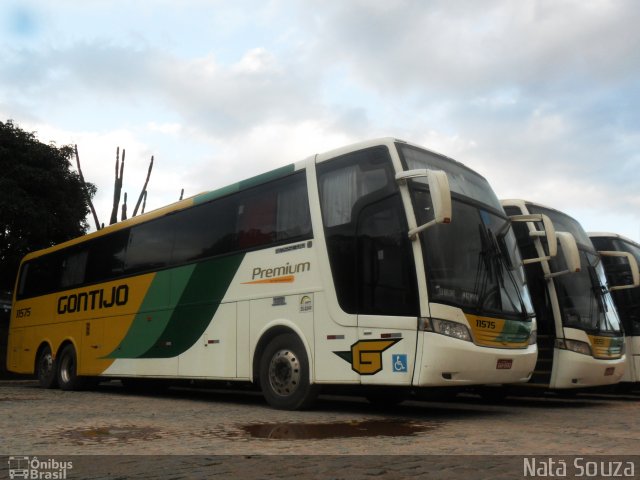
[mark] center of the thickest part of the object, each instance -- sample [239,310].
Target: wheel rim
[45,367]
[66,368]
[284,372]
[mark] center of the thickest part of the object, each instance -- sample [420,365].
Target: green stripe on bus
[244,184]
[514,331]
[152,320]
[268,176]
[197,306]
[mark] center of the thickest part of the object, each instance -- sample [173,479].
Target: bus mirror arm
[440,195]
[570,252]
[548,232]
[633,264]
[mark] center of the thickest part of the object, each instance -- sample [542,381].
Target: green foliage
[42,202]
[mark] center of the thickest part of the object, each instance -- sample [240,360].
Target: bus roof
[521,202]
[614,235]
[389,142]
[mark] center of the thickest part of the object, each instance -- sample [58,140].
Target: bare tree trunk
[144,201]
[117,188]
[86,191]
[124,208]
[143,192]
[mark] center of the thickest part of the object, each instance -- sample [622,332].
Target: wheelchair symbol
[399,362]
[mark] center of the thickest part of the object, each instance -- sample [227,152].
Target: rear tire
[284,374]
[68,378]
[46,369]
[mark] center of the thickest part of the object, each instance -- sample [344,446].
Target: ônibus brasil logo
[34,468]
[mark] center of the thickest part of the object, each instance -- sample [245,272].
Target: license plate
[504,364]
[609,371]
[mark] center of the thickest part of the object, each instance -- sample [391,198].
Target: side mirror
[549,232]
[440,195]
[570,252]
[633,264]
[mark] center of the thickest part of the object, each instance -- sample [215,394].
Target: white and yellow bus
[625,292]
[580,338]
[380,264]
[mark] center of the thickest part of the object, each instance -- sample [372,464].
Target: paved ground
[186,433]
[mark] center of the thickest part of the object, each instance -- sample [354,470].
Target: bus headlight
[574,346]
[448,328]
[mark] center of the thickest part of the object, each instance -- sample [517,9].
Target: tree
[42,202]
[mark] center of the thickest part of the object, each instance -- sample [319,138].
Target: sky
[540,97]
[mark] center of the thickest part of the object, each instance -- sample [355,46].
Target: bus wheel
[46,369]
[67,368]
[284,374]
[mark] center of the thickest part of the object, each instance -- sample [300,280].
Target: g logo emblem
[365,356]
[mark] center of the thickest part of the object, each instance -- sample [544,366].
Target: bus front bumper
[447,361]
[575,370]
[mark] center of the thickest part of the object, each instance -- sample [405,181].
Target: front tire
[46,369]
[284,374]
[68,378]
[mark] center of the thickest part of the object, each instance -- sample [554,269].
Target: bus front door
[387,295]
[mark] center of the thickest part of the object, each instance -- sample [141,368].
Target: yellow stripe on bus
[97,318]
[500,333]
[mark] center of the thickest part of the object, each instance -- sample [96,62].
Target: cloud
[22,21]
[257,89]
[539,97]
[481,46]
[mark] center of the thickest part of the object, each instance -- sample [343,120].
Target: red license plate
[609,371]
[504,364]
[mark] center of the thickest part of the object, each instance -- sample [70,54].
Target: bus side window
[150,245]
[293,218]
[106,257]
[274,212]
[74,265]
[205,230]
[342,182]
[40,276]
[257,218]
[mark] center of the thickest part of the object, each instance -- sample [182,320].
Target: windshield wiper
[492,257]
[598,288]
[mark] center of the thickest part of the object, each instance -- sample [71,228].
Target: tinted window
[40,276]
[106,257]
[564,223]
[274,212]
[150,245]
[462,180]
[205,230]
[271,213]
[74,264]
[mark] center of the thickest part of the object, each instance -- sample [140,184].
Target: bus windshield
[585,301]
[483,274]
[627,301]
